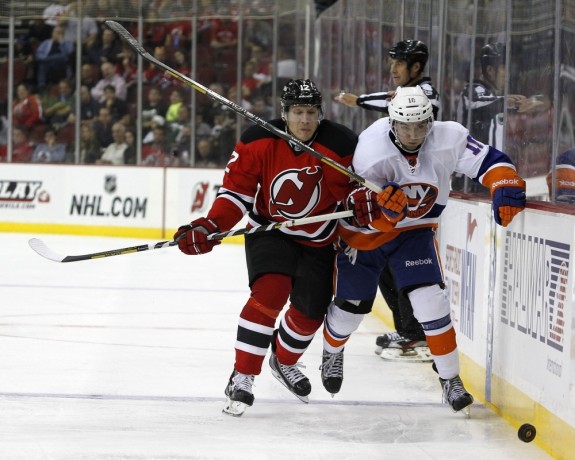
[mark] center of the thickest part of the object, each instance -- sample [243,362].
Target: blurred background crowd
[70,90]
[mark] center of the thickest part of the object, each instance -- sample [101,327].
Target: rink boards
[511,289]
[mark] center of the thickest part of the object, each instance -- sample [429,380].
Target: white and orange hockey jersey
[448,148]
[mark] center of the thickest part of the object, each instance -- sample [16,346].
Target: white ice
[127,357]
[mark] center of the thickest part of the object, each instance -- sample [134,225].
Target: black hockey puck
[526,432]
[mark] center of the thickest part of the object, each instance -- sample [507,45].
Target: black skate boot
[455,394]
[396,340]
[291,377]
[332,371]
[239,393]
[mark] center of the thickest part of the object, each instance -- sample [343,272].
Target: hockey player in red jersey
[273,180]
[419,155]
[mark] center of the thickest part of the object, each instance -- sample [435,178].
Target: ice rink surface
[127,357]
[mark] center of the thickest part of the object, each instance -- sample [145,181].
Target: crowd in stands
[44,109]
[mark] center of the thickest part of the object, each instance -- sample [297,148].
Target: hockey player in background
[417,155]
[481,104]
[408,61]
[564,178]
[274,180]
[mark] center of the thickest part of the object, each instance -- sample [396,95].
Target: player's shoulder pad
[257,132]
[337,137]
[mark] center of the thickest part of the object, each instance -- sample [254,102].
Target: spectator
[88,75]
[153,74]
[89,107]
[49,151]
[213,107]
[224,134]
[53,11]
[153,106]
[157,120]
[205,157]
[224,32]
[27,107]
[107,49]
[90,148]
[58,107]
[53,58]
[103,127]
[176,101]
[202,128]
[118,108]
[109,77]
[184,120]
[118,152]
[261,109]
[22,149]
[69,22]
[182,146]
[157,152]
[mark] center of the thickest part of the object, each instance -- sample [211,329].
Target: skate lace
[292,373]
[394,336]
[453,389]
[333,366]
[243,382]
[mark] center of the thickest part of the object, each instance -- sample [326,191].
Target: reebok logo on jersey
[415,263]
[567,183]
[295,192]
[502,182]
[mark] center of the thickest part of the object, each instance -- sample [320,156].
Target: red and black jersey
[275,181]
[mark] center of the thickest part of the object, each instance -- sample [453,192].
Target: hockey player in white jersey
[416,155]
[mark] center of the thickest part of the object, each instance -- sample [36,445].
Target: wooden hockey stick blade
[41,249]
[138,48]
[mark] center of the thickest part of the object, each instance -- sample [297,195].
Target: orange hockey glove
[392,202]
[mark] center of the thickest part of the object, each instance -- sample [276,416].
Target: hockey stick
[40,247]
[138,48]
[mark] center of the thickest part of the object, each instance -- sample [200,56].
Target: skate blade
[234,408]
[378,350]
[412,355]
[304,399]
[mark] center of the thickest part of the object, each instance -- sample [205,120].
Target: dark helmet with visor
[411,51]
[300,92]
[492,54]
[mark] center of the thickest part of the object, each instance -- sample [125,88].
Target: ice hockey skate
[332,371]
[455,394]
[239,393]
[392,346]
[291,377]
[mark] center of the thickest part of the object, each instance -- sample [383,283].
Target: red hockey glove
[392,202]
[193,239]
[363,202]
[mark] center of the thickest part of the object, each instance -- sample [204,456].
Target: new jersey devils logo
[295,192]
[199,196]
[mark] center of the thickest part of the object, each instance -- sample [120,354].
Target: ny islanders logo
[295,192]
[420,199]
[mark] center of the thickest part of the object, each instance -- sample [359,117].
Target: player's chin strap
[410,155]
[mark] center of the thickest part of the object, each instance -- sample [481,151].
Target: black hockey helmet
[300,92]
[492,54]
[411,51]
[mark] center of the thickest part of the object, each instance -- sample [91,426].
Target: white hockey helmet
[410,105]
